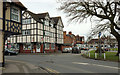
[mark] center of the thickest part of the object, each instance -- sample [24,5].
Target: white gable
[60,23]
[26,15]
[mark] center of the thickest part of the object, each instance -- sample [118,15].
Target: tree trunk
[118,47]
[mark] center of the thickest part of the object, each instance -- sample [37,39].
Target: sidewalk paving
[21,67]
[1,70]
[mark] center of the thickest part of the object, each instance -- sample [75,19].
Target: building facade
[10,22]
[40,34]
[104,41]
[70,40]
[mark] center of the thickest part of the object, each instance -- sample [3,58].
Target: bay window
[15,14]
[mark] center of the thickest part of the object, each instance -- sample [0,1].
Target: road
[68,63]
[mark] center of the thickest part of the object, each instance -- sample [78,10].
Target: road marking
[95,65]
[52,71]
[72,68]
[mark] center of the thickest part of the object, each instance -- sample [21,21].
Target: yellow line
[52,71]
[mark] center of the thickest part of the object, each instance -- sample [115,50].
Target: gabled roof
[42,15]
[37,17]
[56,20]
[17,3]
[33,15]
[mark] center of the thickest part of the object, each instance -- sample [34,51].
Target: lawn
[109,56]
[114,49]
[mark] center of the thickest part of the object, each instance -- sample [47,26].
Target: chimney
[64,34]
[70,33]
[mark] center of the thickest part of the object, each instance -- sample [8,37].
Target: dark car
[76,50]
[9,52]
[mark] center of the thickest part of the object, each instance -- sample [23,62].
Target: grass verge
[111,56]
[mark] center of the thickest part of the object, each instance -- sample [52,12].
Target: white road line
[95,65]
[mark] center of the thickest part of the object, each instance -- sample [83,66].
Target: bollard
[89,55]
[95,55]
[104,56]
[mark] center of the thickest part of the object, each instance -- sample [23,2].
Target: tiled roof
[37,17]
[18,3]
[42,15]
[56,19]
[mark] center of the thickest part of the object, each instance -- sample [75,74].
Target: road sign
[99,34]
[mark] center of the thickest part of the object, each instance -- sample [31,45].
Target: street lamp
[99,49]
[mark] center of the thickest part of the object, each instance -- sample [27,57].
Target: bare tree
[103,12]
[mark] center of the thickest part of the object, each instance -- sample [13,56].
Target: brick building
[70,40]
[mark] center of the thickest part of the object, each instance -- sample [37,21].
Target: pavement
[1,70]
[13,66]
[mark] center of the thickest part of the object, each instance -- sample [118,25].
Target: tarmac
[18,67]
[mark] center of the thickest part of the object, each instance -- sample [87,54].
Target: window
[47,22]
[26,32]
[52,46]
[47,33]
[47,46]
[15,14]
[27,47]
[26,21]
[13,46]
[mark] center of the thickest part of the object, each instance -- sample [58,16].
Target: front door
[38,48]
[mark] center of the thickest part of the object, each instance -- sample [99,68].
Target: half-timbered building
[10,22]
[38,34]
[59,32]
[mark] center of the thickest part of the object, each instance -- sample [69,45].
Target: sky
[50,6]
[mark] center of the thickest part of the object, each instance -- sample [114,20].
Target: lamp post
[100,52]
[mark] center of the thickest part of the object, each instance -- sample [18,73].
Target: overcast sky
[40,6]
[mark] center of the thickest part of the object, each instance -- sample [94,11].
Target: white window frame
[18,14]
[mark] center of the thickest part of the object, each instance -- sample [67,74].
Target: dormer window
[15,14]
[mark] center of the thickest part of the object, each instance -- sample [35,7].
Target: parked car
[106,49]
[84,48]
[66,50]
[76,50]
[9,52]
